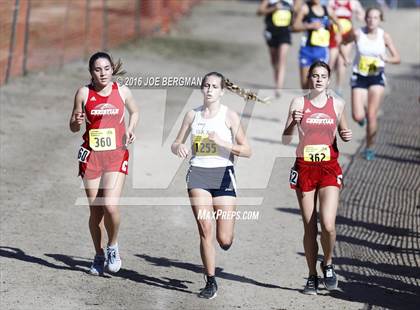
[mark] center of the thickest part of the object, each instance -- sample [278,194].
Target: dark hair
[381,13]
[317,64]
[116,67]
[214,73]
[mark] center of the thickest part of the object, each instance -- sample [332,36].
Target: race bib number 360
[102,139]
[319,152]
[202,146]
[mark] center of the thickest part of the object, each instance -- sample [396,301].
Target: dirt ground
[45,248]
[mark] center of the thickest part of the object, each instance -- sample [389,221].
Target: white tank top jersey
[207,154]
[368,61]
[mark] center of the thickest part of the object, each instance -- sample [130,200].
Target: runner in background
[316,173]
[278,18]
[344,10]
[103,156]
[368,79]
[314,19]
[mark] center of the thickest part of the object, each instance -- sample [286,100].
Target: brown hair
[381,13]
[317,64]
[116,67]
[214,73]
[225,83]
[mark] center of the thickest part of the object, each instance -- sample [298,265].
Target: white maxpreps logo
[308,110]
[93,98]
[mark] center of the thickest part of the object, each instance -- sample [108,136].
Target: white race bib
[102,139]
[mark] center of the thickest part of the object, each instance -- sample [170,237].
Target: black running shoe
[311,287]
[210,291]
[330,278]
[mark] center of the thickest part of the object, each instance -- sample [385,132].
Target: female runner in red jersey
[316,172]
[344,10]
[103,156]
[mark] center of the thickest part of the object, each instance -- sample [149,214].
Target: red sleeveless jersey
[317,140]
[105,128]
[342,10]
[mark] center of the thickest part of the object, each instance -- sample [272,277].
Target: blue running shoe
[97,267]
[369,154]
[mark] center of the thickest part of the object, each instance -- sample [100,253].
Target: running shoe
[113,259]
[210,290]
[330,278]
[369,154]
[311,287]
[97,267]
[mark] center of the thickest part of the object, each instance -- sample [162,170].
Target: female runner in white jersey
[368,79]
[216,136]
[103,156]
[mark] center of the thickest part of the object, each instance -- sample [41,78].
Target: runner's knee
[225,241]
[328,229]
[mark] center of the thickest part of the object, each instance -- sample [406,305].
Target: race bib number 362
[102,139]
[318,152]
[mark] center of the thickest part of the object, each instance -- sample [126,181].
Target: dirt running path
[45,247]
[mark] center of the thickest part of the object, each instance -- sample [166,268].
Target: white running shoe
[113,259]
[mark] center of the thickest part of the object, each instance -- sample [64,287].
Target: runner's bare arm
[357,8]
[298,24]
[133,110]
[77,117]
[334,19]
[294,116]
[297,4]
[351,37]
[395,55]
[343,129]
[263,8]
[178,147]
[241,146]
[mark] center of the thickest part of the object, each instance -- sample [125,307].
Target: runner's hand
[79,118]
[347,62]
[313,26]
[182,151]
[346,134]
[297,115]
[129,137]
[338,38]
